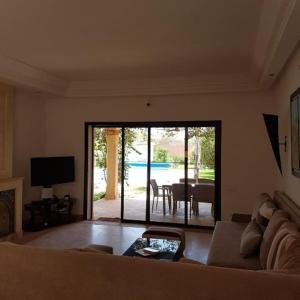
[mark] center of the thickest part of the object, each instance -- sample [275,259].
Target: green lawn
[98,195]
[203,173]
[207,174]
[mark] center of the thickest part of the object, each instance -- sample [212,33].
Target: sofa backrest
[34,273]
[288,205]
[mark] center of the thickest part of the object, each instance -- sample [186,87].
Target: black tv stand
[48,212]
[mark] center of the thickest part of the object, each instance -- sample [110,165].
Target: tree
[204,150]
[160,154]
[204,141]
[100,149]
[131,134]
[208,150]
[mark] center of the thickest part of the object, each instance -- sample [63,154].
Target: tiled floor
[119,236]
[135,209]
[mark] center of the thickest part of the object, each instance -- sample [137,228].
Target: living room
[119,65]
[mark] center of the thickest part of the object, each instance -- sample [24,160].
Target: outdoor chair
[159,191]
[205,193]
[179,195]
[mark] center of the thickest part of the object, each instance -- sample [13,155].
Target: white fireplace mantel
[17,185]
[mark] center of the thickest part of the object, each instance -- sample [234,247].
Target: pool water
[153,165]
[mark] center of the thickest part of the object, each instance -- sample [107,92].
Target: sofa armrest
[241,218]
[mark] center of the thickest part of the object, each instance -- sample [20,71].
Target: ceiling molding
[163,86]
[278,35]
[20,74]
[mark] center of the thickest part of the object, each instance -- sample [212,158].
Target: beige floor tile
[119,236]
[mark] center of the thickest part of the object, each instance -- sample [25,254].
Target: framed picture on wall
[295,131]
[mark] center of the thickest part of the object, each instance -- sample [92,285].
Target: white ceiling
[130,39]
[94,48]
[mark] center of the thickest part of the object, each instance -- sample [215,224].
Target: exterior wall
[248,164]
[29,137]
[288,83]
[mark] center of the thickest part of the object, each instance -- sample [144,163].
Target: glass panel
[167,172]
[135,173]
[201,174]
[107,173]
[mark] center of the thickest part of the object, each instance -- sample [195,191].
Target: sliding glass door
[107,177]
[157,172]
[201,174]
[167,174]
[135,173]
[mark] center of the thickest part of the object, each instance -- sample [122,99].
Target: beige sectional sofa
[225,245]
[34,273]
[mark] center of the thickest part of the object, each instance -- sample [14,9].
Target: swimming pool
[153,165]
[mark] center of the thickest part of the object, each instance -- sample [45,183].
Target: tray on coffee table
[168,249]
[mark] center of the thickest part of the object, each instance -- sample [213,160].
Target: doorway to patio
[162,173]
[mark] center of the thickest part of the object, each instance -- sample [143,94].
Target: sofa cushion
[251,239]
[285,229]
[285,203]
[225,247]
[288,254]
[276,221]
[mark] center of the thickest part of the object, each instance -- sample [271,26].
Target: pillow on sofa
[251,239]
[278,218]
[261,199]
[267,209]
[285,229]
[288,255]
[265,213]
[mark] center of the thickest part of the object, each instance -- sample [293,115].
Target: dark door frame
[218,141]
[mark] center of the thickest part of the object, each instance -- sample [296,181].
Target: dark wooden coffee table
[168,249]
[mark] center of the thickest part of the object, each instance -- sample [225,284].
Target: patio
[134,209]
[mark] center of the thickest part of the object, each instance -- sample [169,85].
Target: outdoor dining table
[167,191]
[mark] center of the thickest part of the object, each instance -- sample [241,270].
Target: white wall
[248,164]
[288,83]
[56,127]
[29,137]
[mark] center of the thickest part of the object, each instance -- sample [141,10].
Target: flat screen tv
[47,171]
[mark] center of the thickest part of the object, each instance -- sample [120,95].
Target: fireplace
[10,207]
[7,212]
